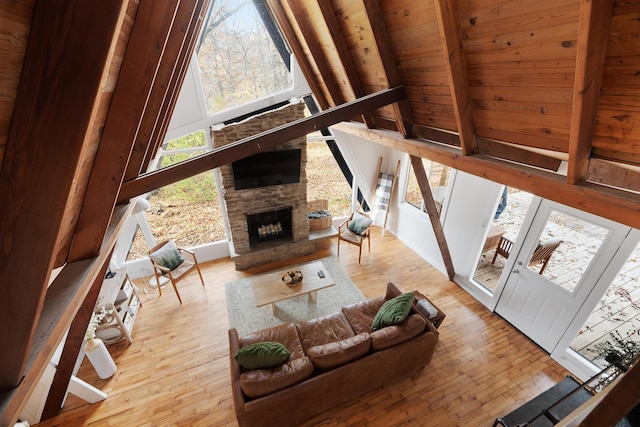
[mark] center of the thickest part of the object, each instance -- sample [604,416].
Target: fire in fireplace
[267,226]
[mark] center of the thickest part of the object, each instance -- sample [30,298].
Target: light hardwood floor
[176,371]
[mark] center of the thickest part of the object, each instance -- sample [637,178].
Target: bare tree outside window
[238,60]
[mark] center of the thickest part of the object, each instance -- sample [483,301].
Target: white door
[543,304]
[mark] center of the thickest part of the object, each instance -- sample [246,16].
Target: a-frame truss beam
[432,212]
[617,205]
[456,72]
[258,143]
[401,110]
[595,18]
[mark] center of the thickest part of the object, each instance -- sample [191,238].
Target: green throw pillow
[393,311]
[267,354]
[359,223]
[167,256]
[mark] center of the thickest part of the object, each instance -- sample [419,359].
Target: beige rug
[247,318]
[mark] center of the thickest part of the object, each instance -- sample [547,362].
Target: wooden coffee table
[268,288]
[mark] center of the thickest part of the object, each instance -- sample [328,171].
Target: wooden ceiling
[508,89]
[502,89]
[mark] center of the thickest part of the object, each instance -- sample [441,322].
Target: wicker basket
[319,223]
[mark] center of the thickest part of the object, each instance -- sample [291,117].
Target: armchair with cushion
[168,262]
[355,230]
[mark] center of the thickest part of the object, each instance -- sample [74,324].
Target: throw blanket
[383,194]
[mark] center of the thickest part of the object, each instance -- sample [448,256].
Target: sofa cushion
[361,314]
[285,334]
[389,336]
[393,311]
[267,354]
[323,330]
[333,354]
[260,382]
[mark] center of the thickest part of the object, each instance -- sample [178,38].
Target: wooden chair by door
[542,254]
[355,230]
[169,261]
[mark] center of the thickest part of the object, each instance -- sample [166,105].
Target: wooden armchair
[355,230]
[169,262]
[542,254]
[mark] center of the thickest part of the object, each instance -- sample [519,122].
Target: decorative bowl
[292,278]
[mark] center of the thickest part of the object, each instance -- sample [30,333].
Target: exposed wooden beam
[186,13]
[612,174]
[447,16]
[432,212]
[402,109]
[257,143]
[298,52]
[135,81]
[513,153]
[617,205]
[310,37]
[595,19]
[63,300]
[618,402]
[179,65]
[491,148]
[53,115]
[73,345]
[346,59]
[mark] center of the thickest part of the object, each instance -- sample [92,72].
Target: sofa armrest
[236,390]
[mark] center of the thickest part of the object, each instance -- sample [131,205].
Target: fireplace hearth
[268,226]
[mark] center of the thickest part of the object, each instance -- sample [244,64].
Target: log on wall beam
[617,205]
[137,74]
[258,143]
[52,116]
[432,212]
[402,109]
[595,18]
[456,72]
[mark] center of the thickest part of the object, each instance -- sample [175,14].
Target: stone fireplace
[267,223]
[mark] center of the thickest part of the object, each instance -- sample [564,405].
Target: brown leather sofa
[333,358]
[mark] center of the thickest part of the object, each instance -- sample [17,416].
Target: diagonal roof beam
[298,52]
[595,18]
[348,65]
[258,143]
[315,50]
[617,205]
[452,47]
[402,110]
[432,212]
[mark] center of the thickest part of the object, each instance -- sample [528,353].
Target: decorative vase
[100,358]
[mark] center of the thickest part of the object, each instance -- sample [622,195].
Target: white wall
[466,214]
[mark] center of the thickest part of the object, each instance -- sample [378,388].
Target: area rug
[247,318]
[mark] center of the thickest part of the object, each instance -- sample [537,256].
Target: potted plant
[95,349]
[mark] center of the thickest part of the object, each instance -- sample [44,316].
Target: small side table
[438,318]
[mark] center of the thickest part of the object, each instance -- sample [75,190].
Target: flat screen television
[267,168]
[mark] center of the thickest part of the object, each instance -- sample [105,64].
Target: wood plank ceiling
[506,90]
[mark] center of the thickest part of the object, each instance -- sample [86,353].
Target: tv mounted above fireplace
[267,168]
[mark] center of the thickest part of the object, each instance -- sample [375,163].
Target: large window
[325,180]
[438,180]
[187,211]
[238,60]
